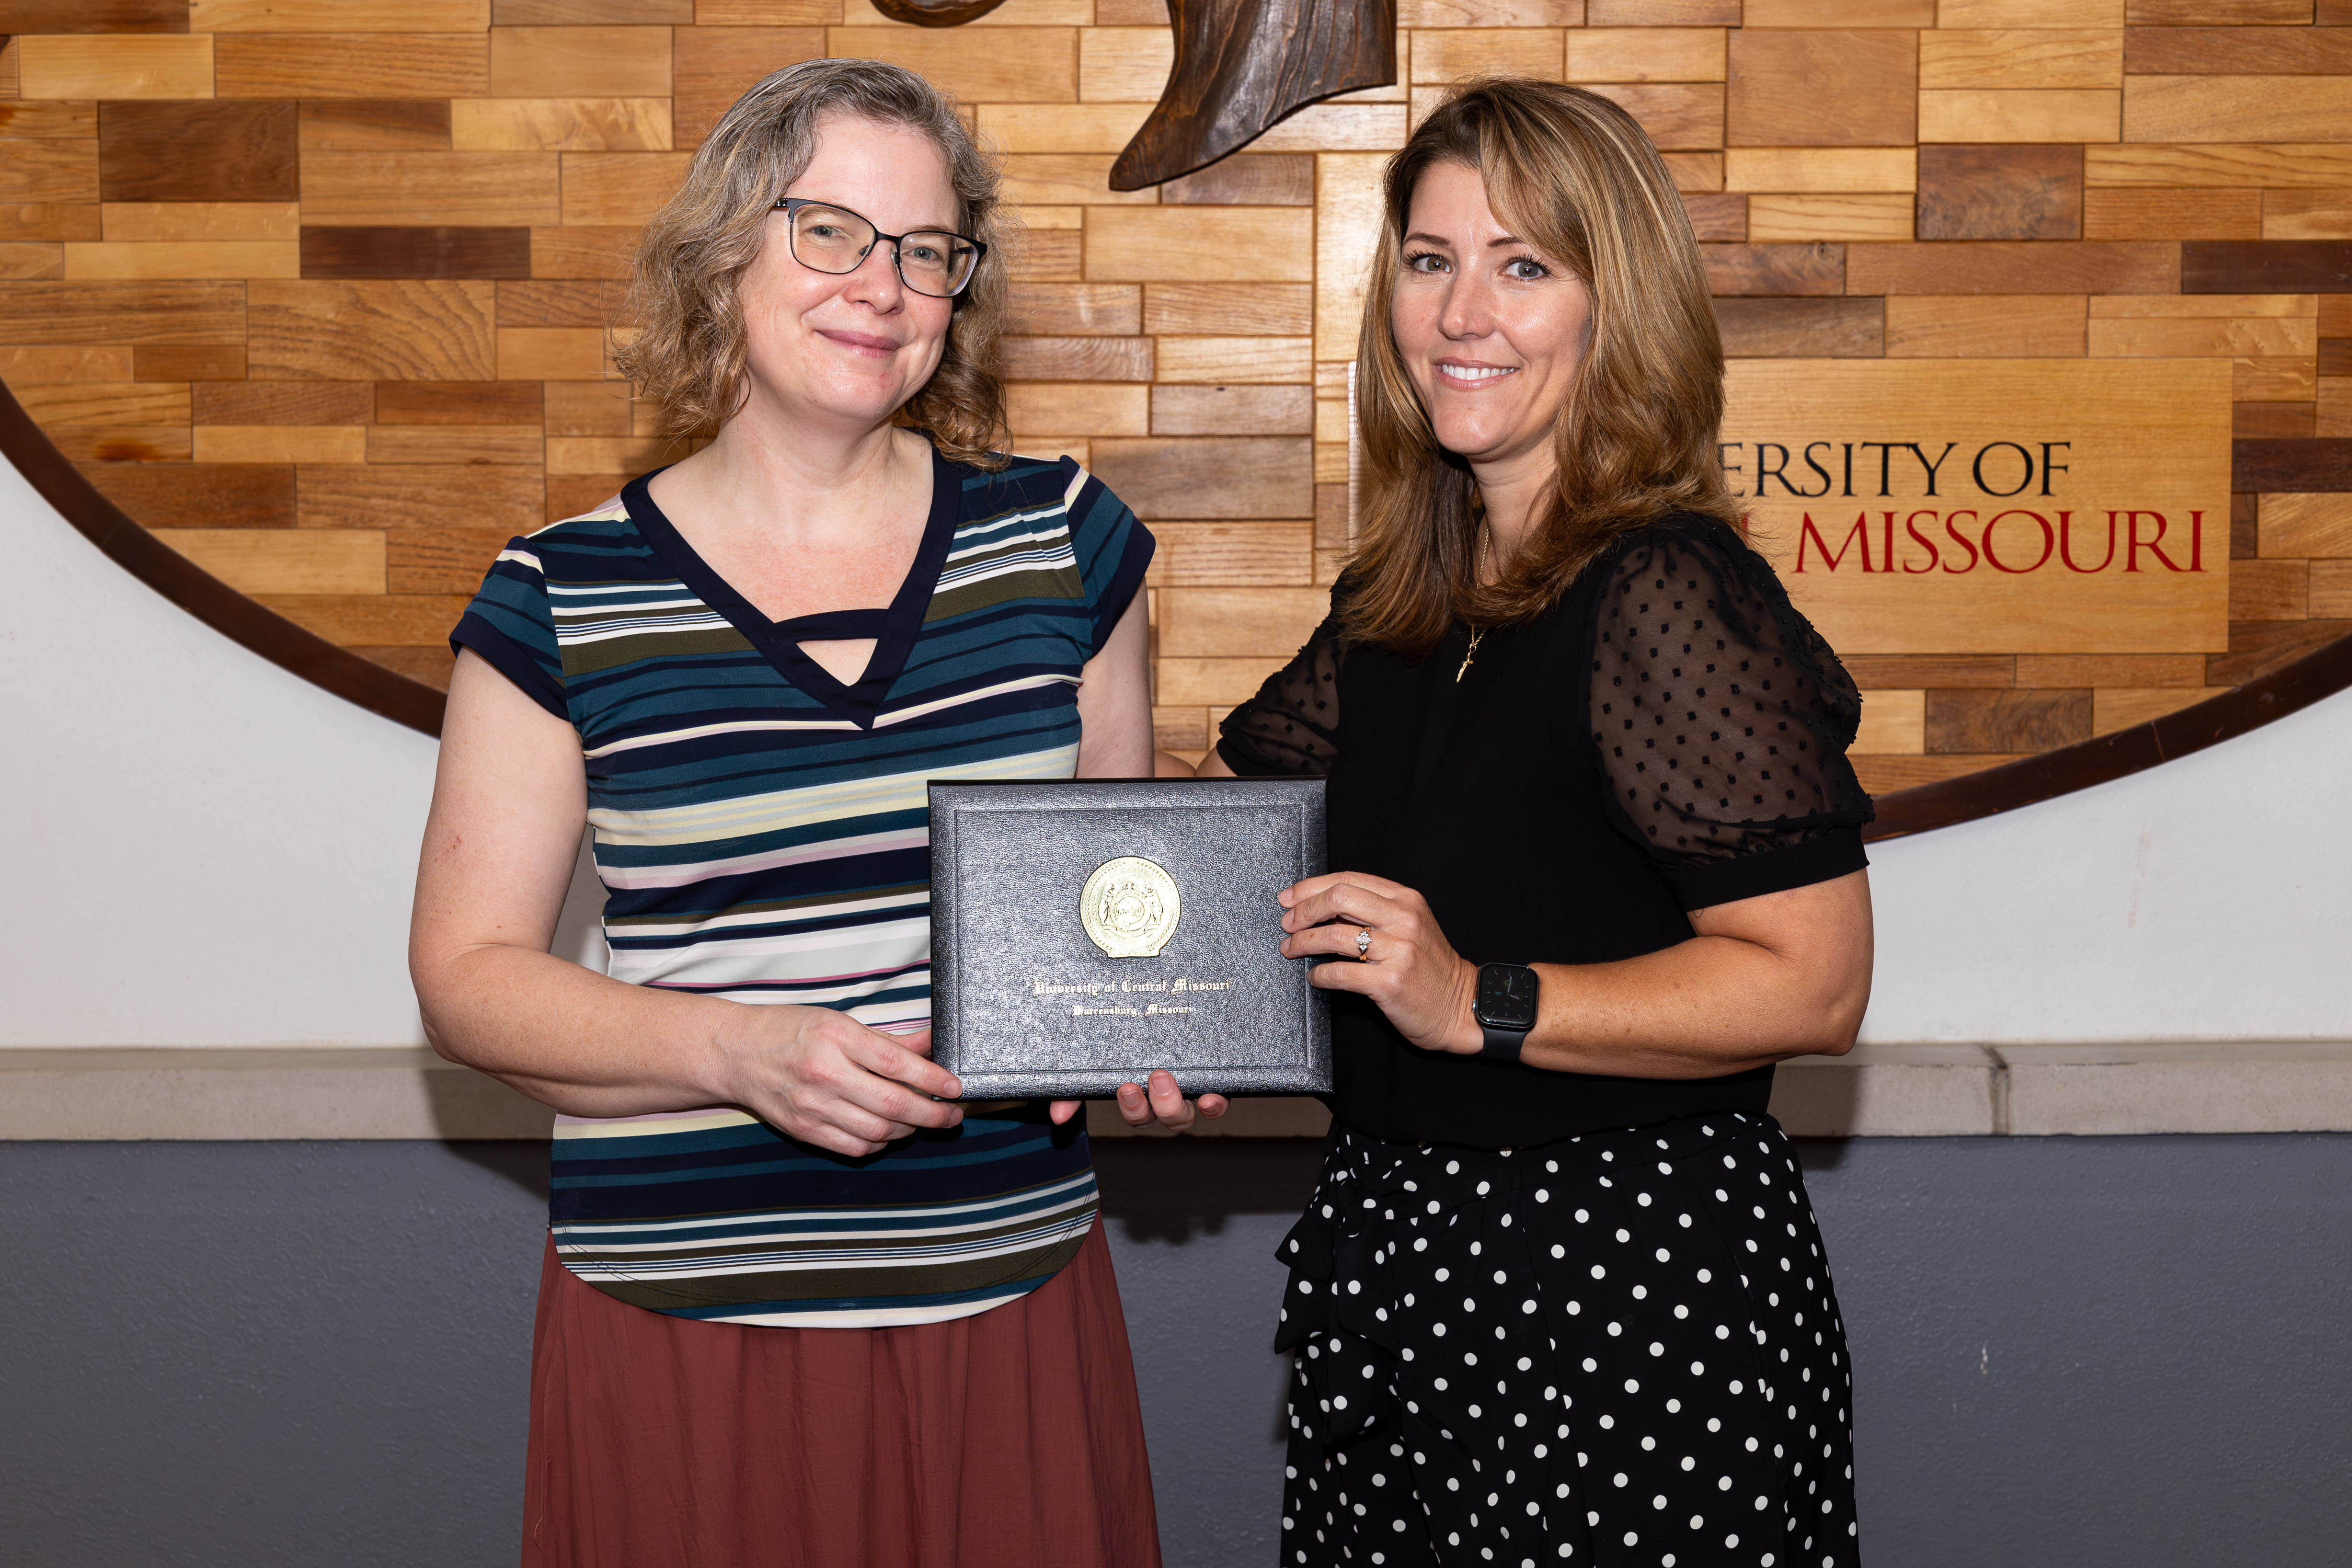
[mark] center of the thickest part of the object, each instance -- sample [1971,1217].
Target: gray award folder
[1086,932]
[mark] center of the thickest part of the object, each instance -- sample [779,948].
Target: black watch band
[1502,1044]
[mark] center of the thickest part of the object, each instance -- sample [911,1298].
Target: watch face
[1507,996]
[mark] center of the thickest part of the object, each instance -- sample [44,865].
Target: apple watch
[1504,1007]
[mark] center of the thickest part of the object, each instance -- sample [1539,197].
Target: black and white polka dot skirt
[1619,1349]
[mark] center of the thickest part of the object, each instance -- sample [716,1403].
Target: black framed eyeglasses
[829,238]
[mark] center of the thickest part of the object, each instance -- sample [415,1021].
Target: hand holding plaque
[1086,934]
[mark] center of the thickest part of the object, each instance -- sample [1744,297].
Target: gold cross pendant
[1475,633]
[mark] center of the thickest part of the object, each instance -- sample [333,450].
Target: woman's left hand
[1408,967]
[1163,1103]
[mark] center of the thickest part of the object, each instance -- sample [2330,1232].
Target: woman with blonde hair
[1558,1296]
[798,1305]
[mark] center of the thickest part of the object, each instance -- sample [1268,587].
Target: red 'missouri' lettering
[2049,542]
[1809,534]
[2057,540]
[1952,532]
[2066,542]
[2134,544]
[1911,527]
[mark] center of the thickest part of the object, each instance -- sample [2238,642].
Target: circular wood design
[305,304]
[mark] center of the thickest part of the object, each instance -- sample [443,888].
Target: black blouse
[1670,735]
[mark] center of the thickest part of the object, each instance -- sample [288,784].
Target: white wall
[2205,899]
[209,850]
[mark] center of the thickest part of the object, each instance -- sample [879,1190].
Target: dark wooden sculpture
[1242,65]
[936,12]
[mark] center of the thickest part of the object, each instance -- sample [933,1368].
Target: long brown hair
[1574,176]
[687,355]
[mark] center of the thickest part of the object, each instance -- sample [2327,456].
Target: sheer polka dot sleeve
[1292,726]
[1721,720]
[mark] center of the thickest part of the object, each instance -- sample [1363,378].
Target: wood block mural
[319,292]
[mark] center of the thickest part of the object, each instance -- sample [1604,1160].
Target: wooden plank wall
[317,289]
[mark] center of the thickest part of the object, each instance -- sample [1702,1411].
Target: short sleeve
[1113,547]
[1292,726]
[1721,720]
[511,625]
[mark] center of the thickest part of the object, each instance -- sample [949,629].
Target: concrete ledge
[1877,1091]
[1892,1091]
[2189,1086]
[295,1092]
[2286,1086]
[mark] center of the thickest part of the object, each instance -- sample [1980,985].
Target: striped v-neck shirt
[762,833]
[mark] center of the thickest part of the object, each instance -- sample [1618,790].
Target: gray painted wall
[2078,1352]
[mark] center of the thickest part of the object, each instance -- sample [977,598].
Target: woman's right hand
[829,1081]
[509,800]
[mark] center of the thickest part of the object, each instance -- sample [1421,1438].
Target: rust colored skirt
[1008,1439]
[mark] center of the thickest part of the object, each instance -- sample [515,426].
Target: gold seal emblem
[1129,907]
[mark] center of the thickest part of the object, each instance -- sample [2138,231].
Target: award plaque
[1086,932]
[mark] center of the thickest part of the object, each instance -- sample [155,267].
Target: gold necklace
[1485,554]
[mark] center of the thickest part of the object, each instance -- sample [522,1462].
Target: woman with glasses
[798,1304]
[1559,1298]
